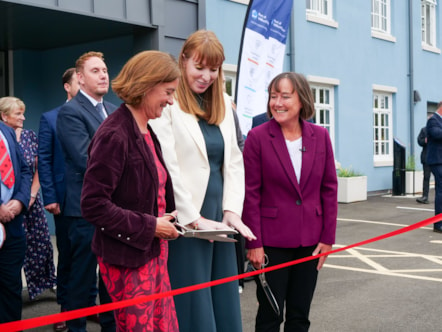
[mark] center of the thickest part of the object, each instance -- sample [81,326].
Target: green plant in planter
[347,172]
[411,163]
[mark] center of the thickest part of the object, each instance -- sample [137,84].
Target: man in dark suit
[14,200]
[434,159]
[422,141]
[259,119]
[51,170]
[77,123]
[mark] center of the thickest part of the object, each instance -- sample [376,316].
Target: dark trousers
[64,258]
[426,180]
[293,286]
[12,256]
[240,255]
[83,276]
[437,172]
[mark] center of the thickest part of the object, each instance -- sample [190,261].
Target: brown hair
[67,76]
[79,64]
[301,86]
[7,104]
[143,72]
[204,46]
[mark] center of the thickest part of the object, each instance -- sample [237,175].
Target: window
[321,12]
[428,13]
[382,128]
[380,16]
[324,108]
[320,7]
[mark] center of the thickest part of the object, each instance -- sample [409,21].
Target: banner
[261,56]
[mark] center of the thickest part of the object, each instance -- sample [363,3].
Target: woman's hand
[321,248]
[32,201]
[256,257]
[208,224]
[165,229]
[233,220]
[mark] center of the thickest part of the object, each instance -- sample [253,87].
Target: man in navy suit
[77,123]
[434,159]
[51,170]
[13,201]
[259,119]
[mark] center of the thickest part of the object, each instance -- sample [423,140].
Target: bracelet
[33,196]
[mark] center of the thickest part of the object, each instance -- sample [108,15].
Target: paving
[391,285]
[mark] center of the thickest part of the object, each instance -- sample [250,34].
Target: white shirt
[295,152]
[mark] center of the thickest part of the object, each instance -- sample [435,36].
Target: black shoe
[437,228]
[423,200]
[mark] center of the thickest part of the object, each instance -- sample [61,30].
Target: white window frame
[321,11]
[381,20]
[231,74]
[330,84]
[322,8]
[383,129]
[429,23]
[325,108]
[244,2]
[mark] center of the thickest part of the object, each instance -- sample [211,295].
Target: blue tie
[100,110]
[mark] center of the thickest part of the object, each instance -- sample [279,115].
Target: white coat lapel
[190,122]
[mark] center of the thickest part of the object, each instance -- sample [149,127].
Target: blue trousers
[64,260]
[437,172]
[12,256]
[83,276]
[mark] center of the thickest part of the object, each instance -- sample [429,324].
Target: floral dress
[39,259]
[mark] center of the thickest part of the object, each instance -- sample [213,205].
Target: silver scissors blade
[268,293]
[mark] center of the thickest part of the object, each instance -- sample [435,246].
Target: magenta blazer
[279,211]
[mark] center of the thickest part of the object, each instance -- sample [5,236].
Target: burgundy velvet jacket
[120,192]
[278,210]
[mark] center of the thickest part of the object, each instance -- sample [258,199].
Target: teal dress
[194,261]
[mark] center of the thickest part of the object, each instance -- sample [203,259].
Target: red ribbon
[68,315]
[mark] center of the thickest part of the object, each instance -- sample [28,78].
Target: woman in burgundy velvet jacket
[291,200]
[126,187]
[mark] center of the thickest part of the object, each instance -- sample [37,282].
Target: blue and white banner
[261,57]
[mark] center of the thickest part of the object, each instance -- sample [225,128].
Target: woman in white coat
[198,140]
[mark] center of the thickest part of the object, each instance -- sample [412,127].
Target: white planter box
[418,179]
[352,189]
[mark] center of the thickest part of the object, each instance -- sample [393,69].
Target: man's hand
[15,206]
[53,208]
[6,215]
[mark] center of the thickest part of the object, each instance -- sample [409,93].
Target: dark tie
[101,111]
[6,170]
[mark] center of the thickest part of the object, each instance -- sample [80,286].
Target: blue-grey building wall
[347,53]
[350,54]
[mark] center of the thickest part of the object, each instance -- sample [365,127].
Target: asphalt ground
[391,285]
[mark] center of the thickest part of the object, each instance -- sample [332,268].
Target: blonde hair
[8,104]
[79,64]
[143,72]
[203,46]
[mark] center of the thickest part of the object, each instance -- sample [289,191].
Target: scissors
[215,235]
[266,288]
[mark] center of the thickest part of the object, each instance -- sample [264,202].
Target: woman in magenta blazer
[290,202]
